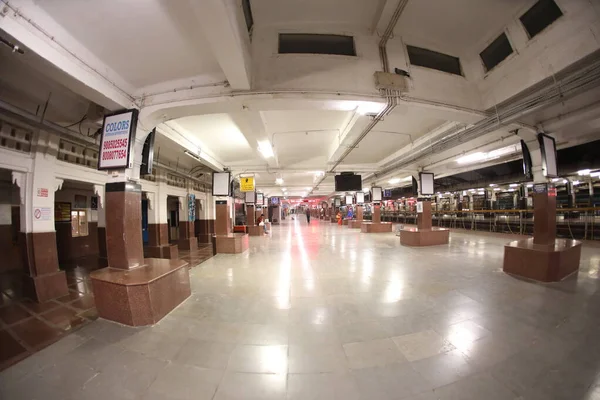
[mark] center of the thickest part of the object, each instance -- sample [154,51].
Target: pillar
[359,213]
[158,227]
[206,221]
[133,290]
[43,280]
[124,225]
[223,218]
[424,218]
[376,213]
[544,217]
[187,216]
[250,215]
[99,190]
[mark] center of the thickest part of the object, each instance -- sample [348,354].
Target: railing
[574,223]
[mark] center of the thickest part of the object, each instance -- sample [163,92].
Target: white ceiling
[220,135]
[144,41]
[359,13]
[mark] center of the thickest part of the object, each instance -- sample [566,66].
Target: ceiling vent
[310,43]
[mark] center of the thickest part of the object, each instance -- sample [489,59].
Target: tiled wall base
[424,237]
[542,263]
[256,230]
[141,296]
[45,287]
[169,251]
[370,227]
[190,244]
[232,244]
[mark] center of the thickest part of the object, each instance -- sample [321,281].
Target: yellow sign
[247,184]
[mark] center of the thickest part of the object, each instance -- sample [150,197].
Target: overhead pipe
[578,81]
[390,95]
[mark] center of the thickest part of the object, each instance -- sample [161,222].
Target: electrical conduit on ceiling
[579,80]
[390,95]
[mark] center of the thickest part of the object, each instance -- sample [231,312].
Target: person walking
[308,215]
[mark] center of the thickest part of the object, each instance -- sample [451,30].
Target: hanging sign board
[117,140]
[259,199]
[247,184]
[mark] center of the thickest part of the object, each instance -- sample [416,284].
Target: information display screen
[426,183]
[221,183]
[360,198]
[376,194]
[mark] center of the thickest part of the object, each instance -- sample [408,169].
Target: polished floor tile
[420,345]
[323,312]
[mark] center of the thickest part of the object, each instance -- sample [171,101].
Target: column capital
[20,179]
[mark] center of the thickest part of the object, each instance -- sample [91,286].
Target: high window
[540,16]
[434,60]
[310,43]
[496,52]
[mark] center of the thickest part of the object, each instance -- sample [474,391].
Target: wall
[346,74]
[69,247]
[570,38]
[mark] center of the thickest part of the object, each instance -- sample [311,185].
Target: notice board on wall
[62,212]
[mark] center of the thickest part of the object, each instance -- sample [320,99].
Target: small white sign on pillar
[419,207]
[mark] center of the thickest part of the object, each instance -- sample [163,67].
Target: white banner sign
[116,140]
[419,207]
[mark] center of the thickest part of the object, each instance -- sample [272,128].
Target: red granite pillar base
[142,296]
[424,237]
[232,244]
[43,279]
[544,263]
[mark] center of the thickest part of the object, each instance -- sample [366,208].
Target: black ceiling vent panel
[434,60]
[540,16]
[496,52]
[309,43]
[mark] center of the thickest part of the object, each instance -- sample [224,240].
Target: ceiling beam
[223,24]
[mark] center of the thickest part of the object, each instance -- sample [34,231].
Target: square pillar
[544,257]
[424,218]
[124,225]
[187,216]
[42,280]
[376,214]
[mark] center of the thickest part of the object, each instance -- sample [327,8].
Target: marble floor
[324,312]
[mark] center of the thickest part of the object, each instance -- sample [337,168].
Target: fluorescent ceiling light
[595,174]
[308,188]
[265,148]
[555,179]
[194,156]
[369,107]
[493,184]
[279,181]
[394,181]
[497,189]
[513,185]
[576,182]
[366,190]
[491,155]
[584,172]
[284,189]
[511,190]
[530,185]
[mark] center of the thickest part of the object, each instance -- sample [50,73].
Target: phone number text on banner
[114,152]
